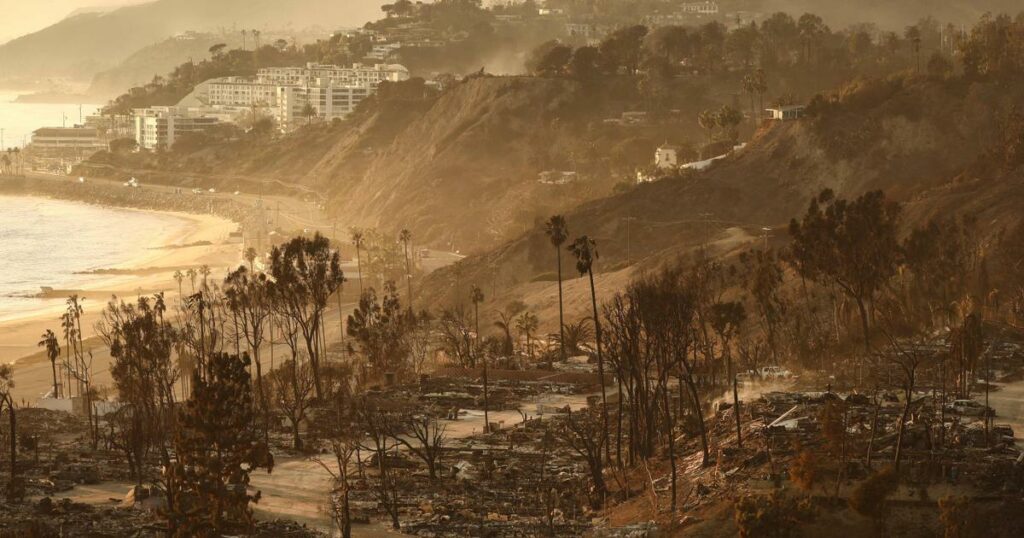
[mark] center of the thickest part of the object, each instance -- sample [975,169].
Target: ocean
[18,120]
[56,243]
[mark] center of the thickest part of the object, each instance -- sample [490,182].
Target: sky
[21,17]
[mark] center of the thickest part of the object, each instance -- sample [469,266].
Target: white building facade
[283,92]
[159,126]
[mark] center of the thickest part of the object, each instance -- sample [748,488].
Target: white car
[213,190]
[774,372]
[969,408]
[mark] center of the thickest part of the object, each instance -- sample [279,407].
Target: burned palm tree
[558,232]
[585,251]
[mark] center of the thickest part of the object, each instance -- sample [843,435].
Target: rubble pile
[501,484]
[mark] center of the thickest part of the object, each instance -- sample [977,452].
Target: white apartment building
[332,91]
[383,51]
[701,8]
[239,92]
[159,126]
[53,141]
[332,74]
[328,102]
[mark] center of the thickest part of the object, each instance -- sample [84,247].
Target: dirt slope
[922,141]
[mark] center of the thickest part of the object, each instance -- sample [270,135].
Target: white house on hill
[789,112]
[666,157]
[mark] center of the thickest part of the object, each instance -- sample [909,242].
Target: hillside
[460,169]
[887,15]
[156,59]
[926,142]
[80,46]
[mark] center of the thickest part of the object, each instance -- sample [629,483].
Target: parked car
[970,408]
[774,372]
[1003,432]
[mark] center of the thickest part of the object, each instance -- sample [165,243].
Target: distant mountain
[158,59]
[82,45]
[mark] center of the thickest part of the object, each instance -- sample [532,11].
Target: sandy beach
[191,240]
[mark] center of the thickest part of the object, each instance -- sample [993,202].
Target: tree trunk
[899,434]
[864,324]
[296,438]
[408,276]
[874,429]
[600,369]
[359,270]
[346,517]
[314,361]
[618,428]
[14,437]
[736,411]
[671,445]
[561,314]
[53,366]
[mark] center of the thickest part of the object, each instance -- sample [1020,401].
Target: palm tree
[577,333]
[357,240]
[557,231]
[405,236]
[192,277]
[527,324]
[250,256]
[49,341]
[585,251]
[205,271]
[308,111]
[178,277]
[477,296]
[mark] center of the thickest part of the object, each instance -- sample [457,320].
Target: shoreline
[198,239]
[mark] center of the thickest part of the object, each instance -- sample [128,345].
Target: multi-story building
[61,141]
[332,74]
[383,51]
[159,126]
[239,92]
[326,102]
[283,92]
[700,8]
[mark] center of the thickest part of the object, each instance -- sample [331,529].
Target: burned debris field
[512,269]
